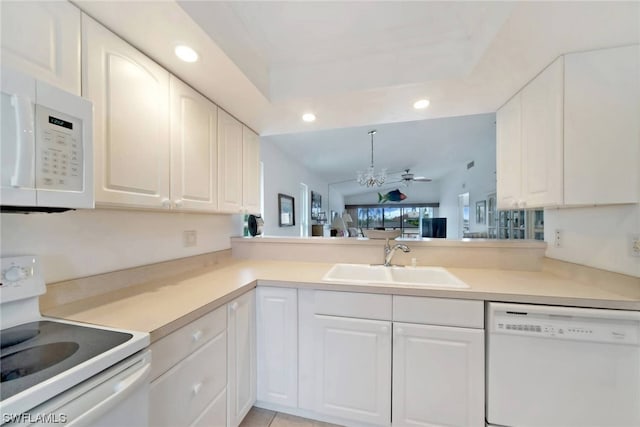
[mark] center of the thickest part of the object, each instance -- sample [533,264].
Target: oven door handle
[121,390]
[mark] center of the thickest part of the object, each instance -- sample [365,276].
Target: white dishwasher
[560,366]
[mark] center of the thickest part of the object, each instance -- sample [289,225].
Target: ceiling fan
[407,178]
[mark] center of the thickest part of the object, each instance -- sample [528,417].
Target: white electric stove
[56,371]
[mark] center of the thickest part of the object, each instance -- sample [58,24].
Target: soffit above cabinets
[363,63]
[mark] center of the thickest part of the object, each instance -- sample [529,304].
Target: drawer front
[215,414]
[179,396]
[176,346]
[439,311]
[352,304]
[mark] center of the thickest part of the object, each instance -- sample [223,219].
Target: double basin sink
[429,277]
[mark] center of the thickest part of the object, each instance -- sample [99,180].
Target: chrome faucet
[389,251]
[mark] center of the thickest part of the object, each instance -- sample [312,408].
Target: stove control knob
[14,274]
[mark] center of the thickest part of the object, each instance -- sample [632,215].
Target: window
[406,218]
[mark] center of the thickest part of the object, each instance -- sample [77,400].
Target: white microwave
[47,146]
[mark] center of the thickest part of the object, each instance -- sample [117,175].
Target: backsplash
[87,242]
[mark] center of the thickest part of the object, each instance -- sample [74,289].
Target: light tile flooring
[258,417]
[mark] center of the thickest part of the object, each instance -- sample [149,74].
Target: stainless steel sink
[436,277]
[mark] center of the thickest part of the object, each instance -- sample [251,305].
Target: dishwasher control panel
[577,328]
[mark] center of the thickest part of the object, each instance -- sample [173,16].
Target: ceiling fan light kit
[369,177]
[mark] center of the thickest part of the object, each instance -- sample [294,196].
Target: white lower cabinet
[277,345]
[438,376]
[191,390]
[372,359]
[241,325]
[353,368]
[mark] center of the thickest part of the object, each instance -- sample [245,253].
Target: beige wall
[87,242]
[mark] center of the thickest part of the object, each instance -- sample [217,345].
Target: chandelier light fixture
[369,177]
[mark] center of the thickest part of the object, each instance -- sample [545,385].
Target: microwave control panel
[59,150]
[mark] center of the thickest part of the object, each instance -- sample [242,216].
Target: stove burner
[50,349]
[34,359]
[17,335]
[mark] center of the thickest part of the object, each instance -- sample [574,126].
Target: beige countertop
[162,306]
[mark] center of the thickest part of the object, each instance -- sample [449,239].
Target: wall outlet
[635,245]
[189,238]
[557,242]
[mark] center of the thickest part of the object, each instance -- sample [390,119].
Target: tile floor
[258,417]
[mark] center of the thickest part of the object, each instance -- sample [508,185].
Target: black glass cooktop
[36,351]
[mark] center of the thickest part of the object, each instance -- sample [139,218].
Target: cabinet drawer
[439,311]
[176,346]
[181,394]
[215,414]
[351,304]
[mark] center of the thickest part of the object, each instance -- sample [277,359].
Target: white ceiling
[360,65]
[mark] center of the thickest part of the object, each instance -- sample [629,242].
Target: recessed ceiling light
[186,53]
[309,117]
[421,104]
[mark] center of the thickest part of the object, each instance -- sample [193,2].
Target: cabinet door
[241,358]
[353,368]
[43,39]
[194,149]
[602,126]
[277,336]
[542,138]
[130,94]
[229,163]
[438,376]
[250,171]
[508,153]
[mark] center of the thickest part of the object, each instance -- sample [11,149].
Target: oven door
[118,396]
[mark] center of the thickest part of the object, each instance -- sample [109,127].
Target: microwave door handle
[23,174]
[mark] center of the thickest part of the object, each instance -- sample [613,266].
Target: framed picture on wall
[481,212]
[286,211]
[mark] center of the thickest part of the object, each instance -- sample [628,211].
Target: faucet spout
[389,251]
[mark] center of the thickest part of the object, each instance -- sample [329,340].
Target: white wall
[283,174]
[479,181]
[598,237]
[83,243]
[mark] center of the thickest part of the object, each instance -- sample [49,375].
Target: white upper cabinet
[578,123]
[42,39]
[229,163]
[194,149]
[130,94]
[529,157]
[542,165]
[602,126]
[529,144]
[250,171]
[509,153]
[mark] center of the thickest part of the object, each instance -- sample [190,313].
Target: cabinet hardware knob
[196,389]
[196,335]
[234,306]
[166,203]
[384,329]
[399,331]
[179,203]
